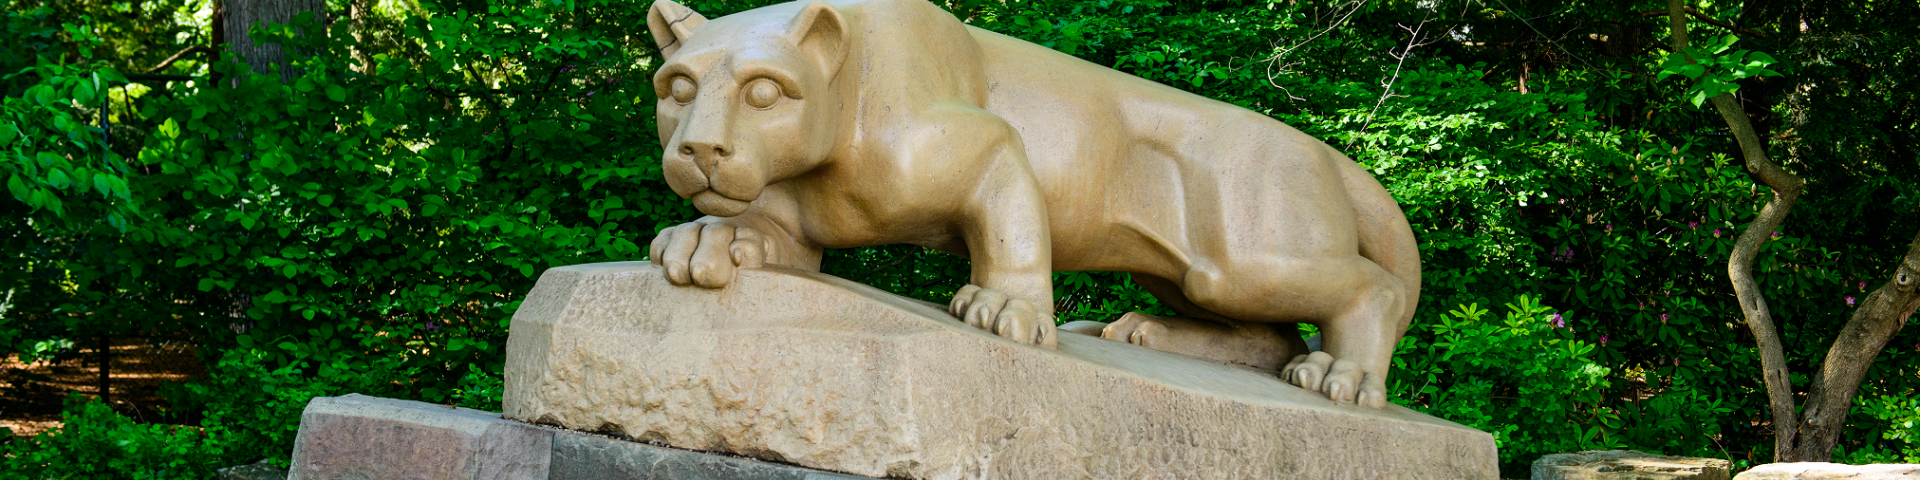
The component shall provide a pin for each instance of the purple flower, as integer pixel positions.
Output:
(1849, 300)
(1863, 285)
(1643, 305)
(1663, 318)
(1676, 362)
(1609, 229)
(431, 326)
(1557, 321)
(1776, 234)
(1716, 232)
(1603, 342)
(1693, 224)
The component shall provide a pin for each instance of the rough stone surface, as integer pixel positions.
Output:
(1825, 471)
(361, 437)
(257, 471)
(1627, 465)
(805, 368)
(508, 449)
(585, 456)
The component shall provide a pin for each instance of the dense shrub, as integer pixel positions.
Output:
(367, 224)
(97, 443)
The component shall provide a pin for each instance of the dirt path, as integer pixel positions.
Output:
(30, 394)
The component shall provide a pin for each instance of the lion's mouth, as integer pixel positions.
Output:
(713, 203)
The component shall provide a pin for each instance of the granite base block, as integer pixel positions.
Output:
(357, 437)
(805, 368)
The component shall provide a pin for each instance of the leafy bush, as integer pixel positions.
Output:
(1523, 377)
(97, 443)
(377, 214)
(1898, 421)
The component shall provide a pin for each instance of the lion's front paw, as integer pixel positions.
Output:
(1341, 380)
(1015, 319)
(707, 254)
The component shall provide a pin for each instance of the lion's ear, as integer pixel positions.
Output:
(671, 24)
(821, 31)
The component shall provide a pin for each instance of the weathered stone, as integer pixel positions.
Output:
(1826, 471)
(1627, 465)
(361, 437)
(257, 471)
(585, 456)
(810, 369)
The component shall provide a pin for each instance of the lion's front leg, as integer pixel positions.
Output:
(1006, 231)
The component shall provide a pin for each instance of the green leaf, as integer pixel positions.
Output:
(109, 75)
(45, 95)
(57, 178)
(18, 187)
(83, 92)
(335, 93)
(7, 133)
(170, 129)
(325, 200)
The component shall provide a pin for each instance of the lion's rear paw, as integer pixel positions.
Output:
(1254, 345)
(1341, 380)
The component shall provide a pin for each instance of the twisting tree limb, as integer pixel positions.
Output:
(1786, 190)
(1807, 435)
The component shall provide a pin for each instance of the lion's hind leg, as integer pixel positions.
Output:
(1199, 333)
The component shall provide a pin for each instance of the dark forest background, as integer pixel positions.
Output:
(351, 196)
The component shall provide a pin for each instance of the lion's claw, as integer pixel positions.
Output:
(706, 254)
(1341, 380)
(1015, 319)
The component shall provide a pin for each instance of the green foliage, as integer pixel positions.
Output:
(1898, 421)
(1713, 70)
(368, 224)
(1522, 377)
(97, 443)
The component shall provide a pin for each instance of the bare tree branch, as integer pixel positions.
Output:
(1387, 91)
(179, 55)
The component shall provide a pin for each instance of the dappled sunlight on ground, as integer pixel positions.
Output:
(30, 394)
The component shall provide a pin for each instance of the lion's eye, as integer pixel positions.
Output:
(762, 93)
(683, 89)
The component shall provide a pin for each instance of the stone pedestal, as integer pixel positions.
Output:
(1832, 471)
(805, 368)
(358, 437)
(1628, 465)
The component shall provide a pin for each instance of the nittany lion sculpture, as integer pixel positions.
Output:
(847, 123)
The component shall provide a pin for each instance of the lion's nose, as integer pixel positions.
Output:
(706, 155)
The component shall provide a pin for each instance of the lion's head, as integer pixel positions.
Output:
(746, 100)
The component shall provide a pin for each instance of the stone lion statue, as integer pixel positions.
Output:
(846, 123)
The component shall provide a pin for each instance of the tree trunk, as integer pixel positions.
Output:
(1786, 190)
(239, 15)
(1807, 436)
(358, 11)
(1880, 316)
